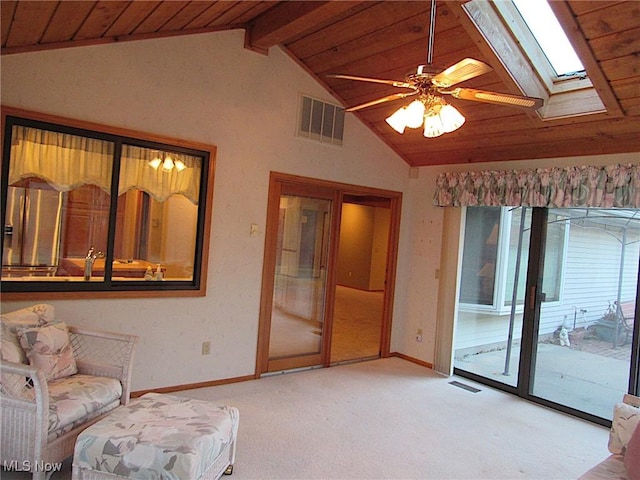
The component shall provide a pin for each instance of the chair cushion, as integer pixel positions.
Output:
(74, 400)
(48, 348)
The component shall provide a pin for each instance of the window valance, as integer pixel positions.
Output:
(67, 161)
(612, 186)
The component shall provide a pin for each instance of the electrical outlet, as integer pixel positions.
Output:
(206, 348)
(419, 335)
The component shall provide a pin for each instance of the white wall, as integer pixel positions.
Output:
(205, 88)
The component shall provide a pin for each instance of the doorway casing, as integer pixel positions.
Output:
(280, 183)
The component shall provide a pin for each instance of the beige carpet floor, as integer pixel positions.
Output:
(391, 419)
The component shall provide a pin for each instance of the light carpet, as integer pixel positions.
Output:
(392, 419)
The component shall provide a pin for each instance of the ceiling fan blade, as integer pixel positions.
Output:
(497, 98)
(459, 72)
(394, 83)
(388, 98)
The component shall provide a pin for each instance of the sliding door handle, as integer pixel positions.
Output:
(532, 297)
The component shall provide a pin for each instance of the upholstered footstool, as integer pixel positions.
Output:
(159, 437)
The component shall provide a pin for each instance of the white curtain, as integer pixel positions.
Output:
(64, 161)
(68, 161)
(136, 172)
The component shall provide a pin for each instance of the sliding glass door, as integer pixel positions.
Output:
(584, 332)
(297, 318)
(547, 304)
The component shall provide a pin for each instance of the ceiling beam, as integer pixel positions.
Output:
(288, 20)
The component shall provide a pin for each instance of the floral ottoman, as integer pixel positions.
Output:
(159, 437)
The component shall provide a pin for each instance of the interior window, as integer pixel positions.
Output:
(89, 210)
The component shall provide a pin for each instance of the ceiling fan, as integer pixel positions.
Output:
(429, 85)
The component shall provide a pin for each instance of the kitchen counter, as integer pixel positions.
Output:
(74, 266)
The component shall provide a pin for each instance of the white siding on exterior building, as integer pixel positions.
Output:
(591, 276)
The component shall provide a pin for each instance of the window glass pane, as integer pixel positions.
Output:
(480, 255)
(550, 36)
(554, 257)
(518, 247)
(57, 203)
(327, 122)
(157, 214)
(66, 219)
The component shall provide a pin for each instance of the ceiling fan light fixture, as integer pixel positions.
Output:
(414, 114)
(451, 118)
(397, 120)
(433, 126)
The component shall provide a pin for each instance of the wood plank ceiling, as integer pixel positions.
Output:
(381, 39)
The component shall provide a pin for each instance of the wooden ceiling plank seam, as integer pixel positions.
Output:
(101, 18)
(632, 106)
(440, 146)
(585, 54)
(130, 18)
(627, 88)
(369, 66)
(617, 17)
(281, 22)
(257, 9)
(7, 11)
(29, 23)
(159, 16)
(67, 20)
(521, 152)
(357, 22)
(572, 134)
(480, 138)
(616, 45)
(186, 15)
(621, 68)
(409, 52)
(580, 7)
(210, 14)
(389, 37)
(231, 16)
(357, 7)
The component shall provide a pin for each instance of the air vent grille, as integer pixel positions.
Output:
(320, 121)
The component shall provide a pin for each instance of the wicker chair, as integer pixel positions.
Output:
(29, 442)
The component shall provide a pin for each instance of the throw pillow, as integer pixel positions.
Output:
(625, 420)
(49, 348)
(10, 383)
(34, 316)
(632, 456)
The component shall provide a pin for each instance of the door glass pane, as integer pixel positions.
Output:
(584, 337)
(494, 265)
(297, 317)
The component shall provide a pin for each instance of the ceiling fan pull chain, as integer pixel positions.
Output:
(432, 29)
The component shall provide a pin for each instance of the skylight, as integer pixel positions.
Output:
(550, 36)
(531, 45)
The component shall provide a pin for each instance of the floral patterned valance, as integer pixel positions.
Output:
(612, 186)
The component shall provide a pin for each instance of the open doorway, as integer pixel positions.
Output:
(305, 283)
(360, 278)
